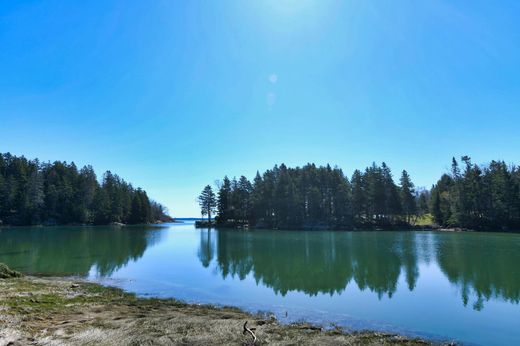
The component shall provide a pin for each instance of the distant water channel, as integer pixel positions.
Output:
(443, 286)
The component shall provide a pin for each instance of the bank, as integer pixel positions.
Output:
(42, 311)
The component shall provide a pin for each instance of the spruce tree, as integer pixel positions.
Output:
(223, 201)
(407, 196)
(358, 195)
(207, 201)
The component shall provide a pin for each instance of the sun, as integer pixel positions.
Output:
(291, 7)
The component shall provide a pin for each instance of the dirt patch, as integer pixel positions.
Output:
(37, 311)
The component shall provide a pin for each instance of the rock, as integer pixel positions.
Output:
(7, 273)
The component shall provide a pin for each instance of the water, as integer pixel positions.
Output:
(443, 286)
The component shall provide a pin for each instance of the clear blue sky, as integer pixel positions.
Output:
(172, 95)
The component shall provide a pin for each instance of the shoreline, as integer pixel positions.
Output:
(36, 310)
(373, 229)
(205, 225)
(113, 224)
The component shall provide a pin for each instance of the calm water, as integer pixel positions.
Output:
(460, 286)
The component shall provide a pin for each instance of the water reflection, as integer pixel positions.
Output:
(481, 266)
(206, 250)
(314, 262)
(74, 250)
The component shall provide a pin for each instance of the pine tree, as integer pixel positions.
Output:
(407, 196)
(358, 195)
(207, 201)
(393, 205)
(258, 200)
(243, 194)
(223, 201)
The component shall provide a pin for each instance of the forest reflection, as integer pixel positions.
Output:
(326, 262)
(483, 266)
(75, 250)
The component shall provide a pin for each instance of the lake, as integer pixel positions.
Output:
(443, 286)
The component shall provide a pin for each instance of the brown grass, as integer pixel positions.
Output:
(37, 311)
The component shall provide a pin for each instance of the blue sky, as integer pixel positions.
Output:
(172, 95)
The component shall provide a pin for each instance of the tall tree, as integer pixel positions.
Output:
(207, 201)
(408, 196)
(224, 201)
(393, 205)
(359, 196)
(243, 193)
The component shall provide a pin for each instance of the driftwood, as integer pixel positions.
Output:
(308, 327)
(250, 331)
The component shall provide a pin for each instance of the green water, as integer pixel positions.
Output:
(446, 286)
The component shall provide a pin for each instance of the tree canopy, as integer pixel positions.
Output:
(312, 197)
(316, 197)
(32, 192)
(476, 197)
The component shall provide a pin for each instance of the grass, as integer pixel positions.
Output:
(424, 220)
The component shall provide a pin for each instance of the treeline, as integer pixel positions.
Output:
(478, 197)
(34, 192)
(312, 197)
(318, 197)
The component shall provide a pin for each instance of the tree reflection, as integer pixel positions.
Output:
(206, 250)
(318, 262)
(74, 250)
(483, 266)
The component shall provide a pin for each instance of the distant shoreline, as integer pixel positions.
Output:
(205, 225)
(117, 224)
(213, 225)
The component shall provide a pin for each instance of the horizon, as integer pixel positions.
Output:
(173, 96)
